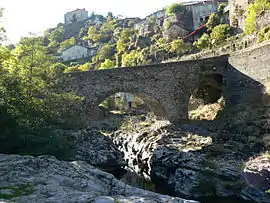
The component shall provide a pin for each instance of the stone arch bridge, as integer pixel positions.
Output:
(165, 88)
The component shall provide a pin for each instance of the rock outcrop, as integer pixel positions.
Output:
(46, 179)
(257, 176)
(200, 160)
(95, 149)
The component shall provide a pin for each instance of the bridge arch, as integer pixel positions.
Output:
(154, 104)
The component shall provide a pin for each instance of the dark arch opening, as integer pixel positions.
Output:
(208, 99)
(131, 103)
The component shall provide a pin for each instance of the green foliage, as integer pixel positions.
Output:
(67, 43)
(32, 100)
(132, 59)
(213, 21)
(78, 68)
(264, 34)
(127, 37)
(174, 9)
(162, 44)
(250, 19)
(216, 18)
(107, 64)
(168, 24)
(178, 46)
(101, 33)
(93, 34)
(106, 52)
(253, 10)
(221, 8)
(204, 42)
(220, 33)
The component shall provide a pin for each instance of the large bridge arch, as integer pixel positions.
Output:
(152, 101)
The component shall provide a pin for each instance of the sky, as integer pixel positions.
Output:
(24, 16)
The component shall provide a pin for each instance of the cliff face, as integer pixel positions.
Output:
(237, 12)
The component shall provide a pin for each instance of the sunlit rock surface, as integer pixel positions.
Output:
(257, 176)
(46, 179)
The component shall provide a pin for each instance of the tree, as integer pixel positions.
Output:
(67, 43)
(264, 34)
(132, 59)
(127, 37)
(204, 42)
(107, 64)
(220, 33)
(216, 18)
(57, 34)
(175, 8)
(32, 100)
(178, 46)
(106, 52)
(101, 34)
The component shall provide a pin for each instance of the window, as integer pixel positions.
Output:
(201, 19)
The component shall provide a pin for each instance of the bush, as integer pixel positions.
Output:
(178, 46)
(67, 43)
(213, 21)
(220, 33)
(175, 9)
(107, 64)
(78, 68)
(264, 34)
(168, 24)
(216, 18)
(106, 52)
(132, 59)
(204, 42)
(253, 10)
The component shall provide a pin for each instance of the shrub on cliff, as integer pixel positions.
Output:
(178, 46)
(107, 64)
(133, 58)
(220, 33)
(216, 18)
(264, 34)
(253, 10)
(204, 42)
(175, 8)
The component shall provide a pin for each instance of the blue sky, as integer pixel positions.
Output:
(24, 16)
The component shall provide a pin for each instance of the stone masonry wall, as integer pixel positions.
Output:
(249, 72)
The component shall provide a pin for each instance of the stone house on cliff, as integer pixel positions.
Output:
(195, 15)
(77, 52)
(76, 16)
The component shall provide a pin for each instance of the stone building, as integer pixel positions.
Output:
(201, 11)
(196, 14)
(76, 52)
(76, 16)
